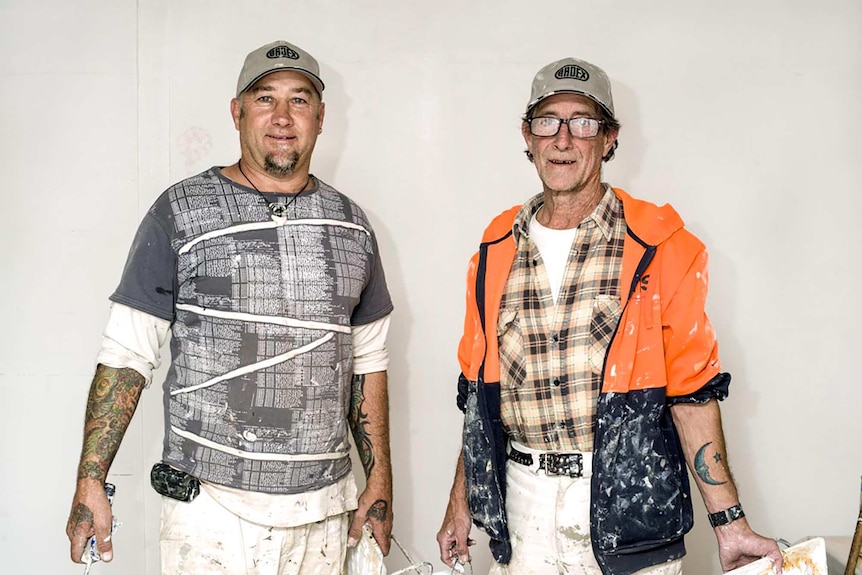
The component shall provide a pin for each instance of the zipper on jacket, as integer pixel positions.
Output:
(480, 295)
(643, 264)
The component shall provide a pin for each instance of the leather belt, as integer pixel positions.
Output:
(570, 464)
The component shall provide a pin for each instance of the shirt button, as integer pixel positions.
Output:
(555, 338)
(557, 382)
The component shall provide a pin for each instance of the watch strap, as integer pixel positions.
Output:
(726, 516)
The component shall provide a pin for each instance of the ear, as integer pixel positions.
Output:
(234, 112)
(525, 132)
(320, 116)
(610, 138)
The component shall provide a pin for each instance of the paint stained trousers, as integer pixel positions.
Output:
(549, 523)
(204, 537)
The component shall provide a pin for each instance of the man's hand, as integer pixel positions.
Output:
(90, 515)
(738, 545)
(454, 535)
(375, 509)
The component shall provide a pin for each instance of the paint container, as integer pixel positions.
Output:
(366, 558)
(805, 558)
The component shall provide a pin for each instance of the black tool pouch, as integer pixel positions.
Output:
(174, 483)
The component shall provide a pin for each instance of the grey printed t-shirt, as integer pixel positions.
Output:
(258, 389)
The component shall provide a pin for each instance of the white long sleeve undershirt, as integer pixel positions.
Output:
(133, 339)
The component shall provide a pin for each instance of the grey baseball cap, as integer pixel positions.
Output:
(571, 75)
(279, 55)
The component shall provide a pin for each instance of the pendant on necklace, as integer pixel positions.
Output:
(278, 213)
(278, 210)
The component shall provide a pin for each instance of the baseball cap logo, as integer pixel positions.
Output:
(572, 72)
(282, 52)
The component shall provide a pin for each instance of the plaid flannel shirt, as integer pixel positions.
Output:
(552, 353)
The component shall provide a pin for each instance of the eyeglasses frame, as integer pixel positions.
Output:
(560, 122)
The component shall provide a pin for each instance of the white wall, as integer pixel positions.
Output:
(744, 115)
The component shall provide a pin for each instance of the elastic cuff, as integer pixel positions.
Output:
(463, 385)
(715, 388)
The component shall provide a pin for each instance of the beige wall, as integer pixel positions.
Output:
(743, 115)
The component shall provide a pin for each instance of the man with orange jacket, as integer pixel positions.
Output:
(590, 371)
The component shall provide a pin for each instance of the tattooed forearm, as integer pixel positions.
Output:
(113, 398)
(378, 510)
(701, 467)
(359, 424)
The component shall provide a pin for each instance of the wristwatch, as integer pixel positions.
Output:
(726, 516)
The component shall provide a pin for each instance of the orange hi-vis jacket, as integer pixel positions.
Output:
(663, 352)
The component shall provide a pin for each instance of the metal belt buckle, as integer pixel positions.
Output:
(571, 464)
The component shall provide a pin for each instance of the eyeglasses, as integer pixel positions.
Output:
(546, 126)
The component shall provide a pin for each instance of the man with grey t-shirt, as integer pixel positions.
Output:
(272, 287)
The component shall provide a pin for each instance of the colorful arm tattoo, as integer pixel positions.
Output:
(114, 396)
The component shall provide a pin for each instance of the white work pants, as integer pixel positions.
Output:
(204, 538)
(549, 523)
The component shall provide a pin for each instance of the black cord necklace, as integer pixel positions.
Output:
(278, 210)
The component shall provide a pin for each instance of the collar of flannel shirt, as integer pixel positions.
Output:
(602, 215)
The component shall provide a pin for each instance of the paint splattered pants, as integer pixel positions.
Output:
(549, 523)
(202, 537)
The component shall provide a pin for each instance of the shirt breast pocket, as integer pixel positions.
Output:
(606, 315)
(510, 341)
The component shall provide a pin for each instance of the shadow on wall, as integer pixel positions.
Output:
(332, 141)
(626, 166)
(738, 411)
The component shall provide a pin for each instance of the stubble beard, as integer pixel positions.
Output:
(280, 166)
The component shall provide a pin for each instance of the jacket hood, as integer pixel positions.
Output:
(651, 223)
(500, 226)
